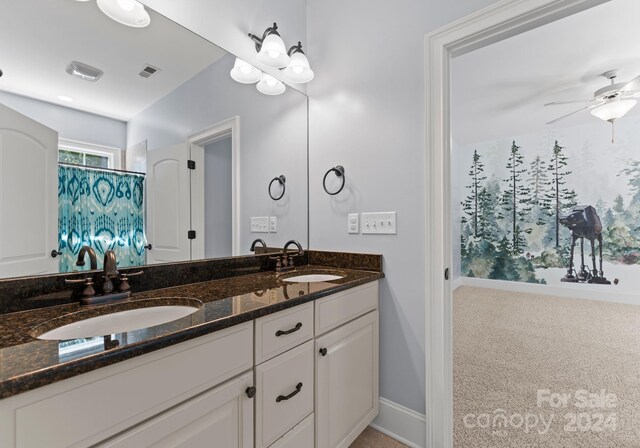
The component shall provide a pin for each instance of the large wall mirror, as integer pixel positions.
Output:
(100, 125)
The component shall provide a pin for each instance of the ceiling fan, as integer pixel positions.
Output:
(608, 103)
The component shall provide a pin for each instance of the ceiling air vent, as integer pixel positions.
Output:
(148, 71)
(84, 71)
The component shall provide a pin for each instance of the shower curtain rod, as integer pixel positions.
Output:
(75, 165)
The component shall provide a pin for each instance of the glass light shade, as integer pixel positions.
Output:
(613, 110)
(127, 12)
(273, 52)
(270, 85)
(298, 70)
(245, 73)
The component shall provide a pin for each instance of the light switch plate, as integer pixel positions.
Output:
(273, 224)
(353, 222)
(259, 224)
(379, 223)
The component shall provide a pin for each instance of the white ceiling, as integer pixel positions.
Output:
(38, 39)
(499, 91)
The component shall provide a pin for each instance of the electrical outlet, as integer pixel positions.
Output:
(259, 224)
(380, 223)
(353, 223)
(273, 224)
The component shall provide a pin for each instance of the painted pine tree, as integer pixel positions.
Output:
(559, 196)
(516, 199)
(503, 266)
(471, 204)
(488, 204)
(538, 182)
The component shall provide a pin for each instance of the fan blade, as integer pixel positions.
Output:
(556, 103)
(575, 112)
(632, 85)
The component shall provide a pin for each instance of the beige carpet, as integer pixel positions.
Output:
(371, 438)
(509, 346)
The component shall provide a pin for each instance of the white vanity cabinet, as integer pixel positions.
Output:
(304, 377)
(346, 366)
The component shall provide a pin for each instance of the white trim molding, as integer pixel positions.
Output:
(197, 142)
(400, 423)
(502, 20)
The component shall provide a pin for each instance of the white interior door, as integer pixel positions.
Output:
(28, 195)
(168, 204)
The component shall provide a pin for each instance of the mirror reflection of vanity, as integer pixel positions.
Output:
(137, 140)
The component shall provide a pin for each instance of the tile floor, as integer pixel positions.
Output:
(371, 438)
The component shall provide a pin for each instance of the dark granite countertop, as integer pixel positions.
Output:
(27, 363)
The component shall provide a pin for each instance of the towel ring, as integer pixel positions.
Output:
(281, 180)
(339, 170)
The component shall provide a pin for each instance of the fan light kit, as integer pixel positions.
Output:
(127, 12)
(610, 103)
(273, 53)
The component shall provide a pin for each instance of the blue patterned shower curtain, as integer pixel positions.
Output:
(101, 209)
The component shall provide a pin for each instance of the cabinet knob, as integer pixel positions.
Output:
(323, 351)
(251, 391)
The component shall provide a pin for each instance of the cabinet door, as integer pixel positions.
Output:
(346, 382)
(220, 418)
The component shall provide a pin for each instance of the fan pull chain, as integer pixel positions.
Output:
(613, 132)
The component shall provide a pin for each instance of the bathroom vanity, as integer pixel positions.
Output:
(274, 364)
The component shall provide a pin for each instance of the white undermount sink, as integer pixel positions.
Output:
(312, 278)
(120, 322)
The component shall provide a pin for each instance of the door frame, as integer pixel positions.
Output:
(502, 20)
(197, 142)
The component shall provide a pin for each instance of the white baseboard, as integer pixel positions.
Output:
(401, 424)
(602, 293)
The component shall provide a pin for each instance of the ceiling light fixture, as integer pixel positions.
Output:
(84, 71)
(127, 12)
(65, 98)
(245, 73)
(613, 110)
(270, 48)
(298, 71)
(270, 85)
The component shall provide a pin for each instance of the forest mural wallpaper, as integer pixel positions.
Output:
(515, 197)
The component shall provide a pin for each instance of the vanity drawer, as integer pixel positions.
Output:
(285, 388)
(337, 309)
(282, 331)
(301, 436)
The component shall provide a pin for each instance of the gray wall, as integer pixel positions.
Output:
(367, 113)
(217, 199)
(273, 141)
(70, 123)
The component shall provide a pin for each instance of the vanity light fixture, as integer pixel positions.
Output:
(245, 73)
(298, 70)
(270, 48)
(270, 85)
(127, 12)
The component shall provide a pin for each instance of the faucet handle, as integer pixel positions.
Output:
(88, 290)
(124, 280)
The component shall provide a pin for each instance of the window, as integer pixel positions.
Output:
(78, 153)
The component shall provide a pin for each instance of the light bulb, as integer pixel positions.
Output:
(298, 70)
(273, 52)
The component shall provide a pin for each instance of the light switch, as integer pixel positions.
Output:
(353, 223)
(259, 224)
(380, 223)
(273, 224)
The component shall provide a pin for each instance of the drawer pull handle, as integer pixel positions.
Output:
(291, 395)
(251, 392)
(293, 330)
(323, 351)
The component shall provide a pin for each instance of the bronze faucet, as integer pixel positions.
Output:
(285, 263)
(257, 241)
(110, 271)
(93, 259)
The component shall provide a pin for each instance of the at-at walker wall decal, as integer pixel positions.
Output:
(584, 222)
